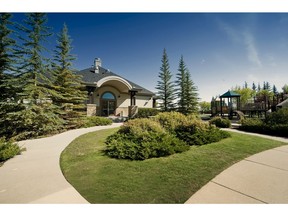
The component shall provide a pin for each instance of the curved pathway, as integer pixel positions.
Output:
(260, 178)
(35, 175)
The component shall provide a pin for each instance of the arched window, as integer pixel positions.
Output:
(108, 96)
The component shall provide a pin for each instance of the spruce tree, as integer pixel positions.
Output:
(191, 94)
(8, 90)
(38, 117)
(70, 95)
(165, 86)
(180, 82)
(187, 91)
(7, 58)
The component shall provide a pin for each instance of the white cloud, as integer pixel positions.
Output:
(252, 52)
(231, 32)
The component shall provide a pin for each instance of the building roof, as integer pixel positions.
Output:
(230, 94)
(90, 78)
(283, 103)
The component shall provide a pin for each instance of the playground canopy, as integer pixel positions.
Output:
(230, 95)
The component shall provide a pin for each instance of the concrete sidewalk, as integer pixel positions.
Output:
(260, 178)
(35, 175)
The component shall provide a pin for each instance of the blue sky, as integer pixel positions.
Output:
(221, 50)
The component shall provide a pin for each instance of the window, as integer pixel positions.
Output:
(108, 96)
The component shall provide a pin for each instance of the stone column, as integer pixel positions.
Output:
(91, 109)
(132, 111)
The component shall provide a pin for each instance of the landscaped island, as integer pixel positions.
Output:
(170, 179)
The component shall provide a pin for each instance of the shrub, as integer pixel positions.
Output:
(220, 122)
(200, 133)
(171, 120)
(146, 112)
(279, 117)
(8, 149)
(91, 121)
(140, 139)
(252, 125)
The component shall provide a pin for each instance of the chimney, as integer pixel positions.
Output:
(97, 64)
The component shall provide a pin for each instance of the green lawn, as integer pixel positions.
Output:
(172, 179)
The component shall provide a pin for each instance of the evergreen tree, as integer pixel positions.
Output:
(191, 94)
(33, 67)
(7, 58)
(245, 85)
(254, 86)
(69, 96)
(165, 86)
(8, 90)
(38, 115)
(180, 82)
(187, 91)
(258, 88)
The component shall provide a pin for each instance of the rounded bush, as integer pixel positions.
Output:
(171, 120)
(220, 122)
(141, 139)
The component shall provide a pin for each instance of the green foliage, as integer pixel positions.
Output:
(275, 124)
(33, 121)
(7, 57)
(141, 139)
(68, 92)
(220, 122)
(165, 86)
(187, 91)
(197, 132)
(146, 112)
(171, 120)
(8, 149)
(91, 121)
(279, 117)
(205, 107)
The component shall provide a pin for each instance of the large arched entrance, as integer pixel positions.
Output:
(108, 104)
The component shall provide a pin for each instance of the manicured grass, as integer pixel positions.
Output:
(172, 179)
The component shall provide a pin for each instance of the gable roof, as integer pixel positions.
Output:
(90, 78)
(229, 94)
(283, 103)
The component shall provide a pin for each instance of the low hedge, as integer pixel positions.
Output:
(220, 122)
(146, 112)
(91, 121)
(259, 126)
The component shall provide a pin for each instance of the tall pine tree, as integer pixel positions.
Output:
(165, 86)
(70, 94)
(187, 91)
(7, 58)
(191, 94)
(180, 82)
(8, 90)
(38, 115)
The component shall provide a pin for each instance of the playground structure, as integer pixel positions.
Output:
(229, 105)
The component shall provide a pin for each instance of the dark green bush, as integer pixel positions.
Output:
(279, 117)
(200, 133)
(141, 139)
(266, 126)
(8, 149)
(220, 122)
(91, 121)
(146, 112)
